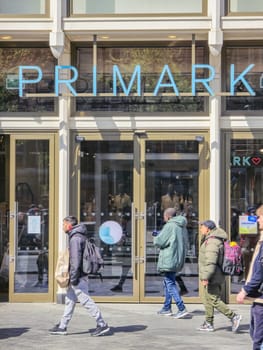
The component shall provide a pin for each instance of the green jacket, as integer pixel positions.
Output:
(210, 254)
(172, 243)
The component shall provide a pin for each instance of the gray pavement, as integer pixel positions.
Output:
(133, 326)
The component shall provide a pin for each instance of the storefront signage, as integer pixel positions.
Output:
(246, 161)
(110, 232)
(248, 224)
(33, 224)
(118, 81)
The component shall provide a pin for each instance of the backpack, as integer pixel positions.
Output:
(92, 261)
(231, 261)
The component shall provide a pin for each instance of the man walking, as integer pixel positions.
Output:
(78, 287)
(253, 288)
(171, 241)
(211, 276)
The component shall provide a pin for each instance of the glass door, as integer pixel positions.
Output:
(31, 218)
(106, 208)
(172, 180)
(126, 183)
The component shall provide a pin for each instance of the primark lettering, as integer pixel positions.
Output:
(164, 81)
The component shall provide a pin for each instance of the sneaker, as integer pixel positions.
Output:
(163, 312)
(117, 288)
(236, 322)
(57, 330)
(100, 330)
(208, 327)
(181, 314)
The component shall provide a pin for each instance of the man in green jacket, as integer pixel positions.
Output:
(211, 276)
(172, 243)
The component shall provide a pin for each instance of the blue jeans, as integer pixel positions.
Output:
(171, 292)
(256, 326)
(80, 293)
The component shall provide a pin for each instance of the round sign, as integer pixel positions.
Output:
(110, 232)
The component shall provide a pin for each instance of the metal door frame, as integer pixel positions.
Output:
(138, 221)
(29, 297)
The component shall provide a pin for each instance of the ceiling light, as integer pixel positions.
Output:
(172, 36)
(104, 37)
(6, 37)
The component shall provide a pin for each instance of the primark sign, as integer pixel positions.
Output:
(164, 80)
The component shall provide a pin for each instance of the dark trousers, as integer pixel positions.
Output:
(256, 326)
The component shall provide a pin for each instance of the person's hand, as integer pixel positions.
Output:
(241, 296)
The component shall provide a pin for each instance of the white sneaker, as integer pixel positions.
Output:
(181, 314)
(236, 322)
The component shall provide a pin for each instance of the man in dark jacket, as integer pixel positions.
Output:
(78, 289)
(211, 277)
(253, 288)
(172, 244)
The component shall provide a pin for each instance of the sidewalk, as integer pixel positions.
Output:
(133, 326)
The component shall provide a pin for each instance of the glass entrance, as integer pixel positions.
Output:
(31, 202)
(172, 174)
(106, 198)
(125, 186)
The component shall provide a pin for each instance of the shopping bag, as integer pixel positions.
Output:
(62, 269)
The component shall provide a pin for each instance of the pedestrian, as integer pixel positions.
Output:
(78, 289)
(211, 277)
(171, 241)
(253, 288)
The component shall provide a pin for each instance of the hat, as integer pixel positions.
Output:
(209, 224)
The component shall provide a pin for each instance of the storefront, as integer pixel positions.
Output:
(120, 124)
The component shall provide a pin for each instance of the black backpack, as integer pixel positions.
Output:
(92, 261)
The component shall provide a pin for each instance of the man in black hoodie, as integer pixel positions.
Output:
(78, 289)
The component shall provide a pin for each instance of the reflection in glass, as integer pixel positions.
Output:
(246, 6)
(152, 61)
(243, 57)
(25, 7)
(172, 181)
(10, 60)
(32, 187)
(135, 6)
(246, 194)
(106, 195)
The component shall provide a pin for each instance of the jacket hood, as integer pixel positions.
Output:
(180, 220)
(80, 228)
(217, 232)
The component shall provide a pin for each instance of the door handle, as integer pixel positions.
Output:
(139, 260)
(12, 215)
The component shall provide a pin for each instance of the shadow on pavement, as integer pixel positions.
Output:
(12, 332)
(126, 329)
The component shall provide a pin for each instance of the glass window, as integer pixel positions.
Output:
(236, 6)
(246, 194)
(152, 61)
(136, 7)
(242, 57)
(32, 240)
(25, 7)
(10, 60)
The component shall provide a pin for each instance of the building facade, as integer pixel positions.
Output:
(113, 111)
